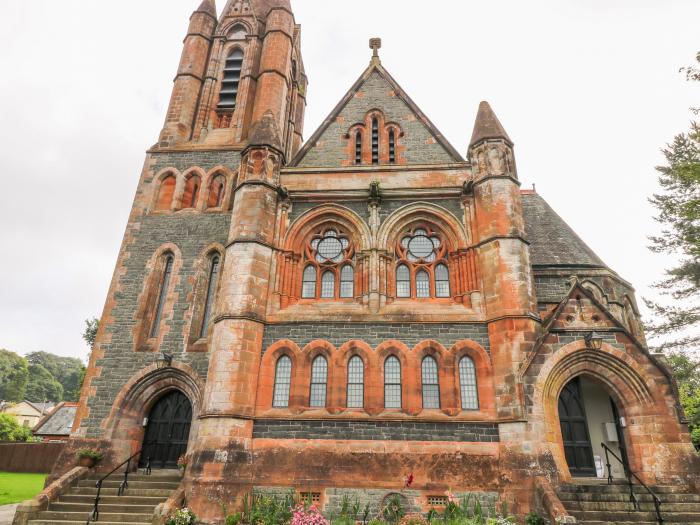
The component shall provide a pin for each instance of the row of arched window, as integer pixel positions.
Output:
(192, 194)
(430, 383)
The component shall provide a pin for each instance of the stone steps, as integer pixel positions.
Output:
(598, 503)
(135, 507)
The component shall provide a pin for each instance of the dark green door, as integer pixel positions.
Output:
(574, 431)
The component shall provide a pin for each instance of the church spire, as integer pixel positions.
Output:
(208, 6)
(487, 126)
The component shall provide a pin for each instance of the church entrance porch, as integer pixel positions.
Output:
(167, 431)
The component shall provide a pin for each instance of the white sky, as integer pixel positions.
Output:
(589, 90)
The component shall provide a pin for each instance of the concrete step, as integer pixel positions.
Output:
(634, 517)
(622, 497)
(612, 506)
(113, 500)
(61, 506)
(166, 485)
(115, 517)
(131, 491)
(621, 489)
(171, 478)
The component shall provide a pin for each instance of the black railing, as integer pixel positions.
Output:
(629, 475)
(95, 515)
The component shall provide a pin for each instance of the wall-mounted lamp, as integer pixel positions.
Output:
(593, 341)
(164, 360)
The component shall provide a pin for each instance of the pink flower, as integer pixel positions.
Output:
(409, 481)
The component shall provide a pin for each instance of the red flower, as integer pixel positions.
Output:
(409, 481)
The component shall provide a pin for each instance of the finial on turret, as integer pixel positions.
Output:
(375, 44)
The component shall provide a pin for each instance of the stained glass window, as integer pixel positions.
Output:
(356, 383)
(392, 383)
(431, 385)
(319, 381)
(467, 384)
(283, 381)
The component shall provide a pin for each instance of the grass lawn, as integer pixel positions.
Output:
(18, 487)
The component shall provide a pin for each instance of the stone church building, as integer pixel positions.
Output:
(333, 316)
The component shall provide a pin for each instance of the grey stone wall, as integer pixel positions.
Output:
(191, 233)
(376, 430)
(374, 334)
(331, 148)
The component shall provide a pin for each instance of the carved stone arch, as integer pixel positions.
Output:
(596, 290)
(393, 227)
(181, 193)
(343, 356)
(311, 351)
(229, 180)
(266, 378)
(333, 214)
(150, 294)
(448, 400)
(617, 372)
(157, 199)
(124, 424)
(398, 349)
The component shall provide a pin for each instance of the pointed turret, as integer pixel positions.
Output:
(487, 126)
(208, 6)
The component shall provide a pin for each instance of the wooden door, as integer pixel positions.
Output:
(167, 431)
(574, 431)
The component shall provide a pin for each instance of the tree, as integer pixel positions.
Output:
(90, 333)
(687, 372)
(679, 212)
(42, 386)
(68, 371)
(13, 376)
(11, 430)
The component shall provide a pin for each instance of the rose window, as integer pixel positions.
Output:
(329, 272)
(422, 270)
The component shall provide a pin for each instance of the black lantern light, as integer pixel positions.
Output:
(593, 341)
(164, 361)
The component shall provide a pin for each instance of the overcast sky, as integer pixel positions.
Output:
(589, 91)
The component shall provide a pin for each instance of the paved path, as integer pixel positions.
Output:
(7, 512)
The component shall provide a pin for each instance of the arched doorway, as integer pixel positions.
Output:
(167, 430)
(588, 417)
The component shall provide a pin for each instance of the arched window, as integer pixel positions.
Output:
(422, 284)
(283, 381)
(442, 281)
(392, 146)
(165, 193)
(422, 270)
(358, 147)
(431, 384)
(162, 294)
(319, 382)
(403, 282)
(392, 383)
(232, 77)
(189, 199)
(211, 294)
(347, 281)
(217, 188)
(356, 383)
(467, 384)
(375, 141)
(328, 254)
(308, 285)
(328, 285)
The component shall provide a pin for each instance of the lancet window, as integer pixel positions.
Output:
(162, 294)
(356, 383)
(319, 382)
(392, 382)
(212, 284)
(467, 384)
(283, 381)
(431, 385)
(422, 270)
(329, 272)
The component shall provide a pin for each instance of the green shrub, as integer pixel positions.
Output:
(534, 519)
(89, 453)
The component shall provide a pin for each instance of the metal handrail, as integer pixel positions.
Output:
(629, 475)
(95, 515)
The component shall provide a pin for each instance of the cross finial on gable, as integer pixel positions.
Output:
(374, 45)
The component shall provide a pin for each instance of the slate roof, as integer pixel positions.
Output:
(553, 242)
(59, 422)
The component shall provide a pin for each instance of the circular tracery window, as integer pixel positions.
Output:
(330, 247)
(421, 246)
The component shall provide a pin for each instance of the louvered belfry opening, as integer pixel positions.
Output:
(232, 77)
(375, 141)
(358, 148)
(392, 147)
